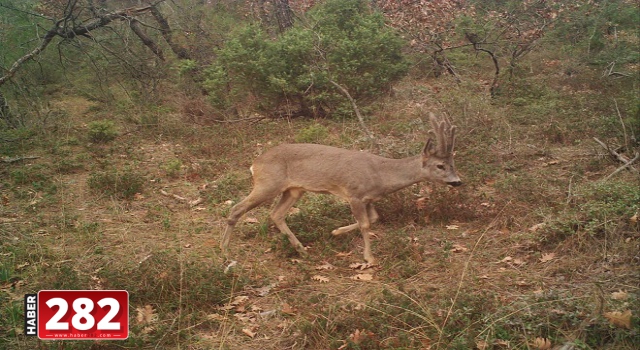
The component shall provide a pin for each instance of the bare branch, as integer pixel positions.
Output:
(35, 52)
(621, 158)
(166, 32)
(134, 24)
(67, 29)
(476, 45)
(355, 109)
(626, 165)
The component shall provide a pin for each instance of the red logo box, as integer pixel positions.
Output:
(83, 314)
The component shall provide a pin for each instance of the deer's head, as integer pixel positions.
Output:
(437, 155)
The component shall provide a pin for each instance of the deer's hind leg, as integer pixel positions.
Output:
(254, 199)
(373, 217)
(279, 212)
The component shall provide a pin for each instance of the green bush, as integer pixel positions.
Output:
(102, 131)
(121, 184)
(607, 203)
(602, 32)
(341, 41)
(312, 134)
(172, 167)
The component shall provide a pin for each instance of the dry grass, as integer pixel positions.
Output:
(517, 254)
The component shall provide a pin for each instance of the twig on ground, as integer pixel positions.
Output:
(627, 164)
(624, 128)
(191, 203)
(239, 120)
(623, 159)
(17, 159)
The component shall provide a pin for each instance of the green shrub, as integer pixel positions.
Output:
(598, 208)
(607, 203)
(312, 134)
(121, 184)
(173, 167)
(343, 41)
(102, 131)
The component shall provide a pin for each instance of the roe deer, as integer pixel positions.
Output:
(358, 177)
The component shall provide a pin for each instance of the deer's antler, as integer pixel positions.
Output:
(445, 135)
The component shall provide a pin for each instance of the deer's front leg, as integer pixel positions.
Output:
(373, 217)
(361, 213)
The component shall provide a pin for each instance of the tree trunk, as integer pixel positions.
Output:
(5, 113)
(284, 15)
(145, 38)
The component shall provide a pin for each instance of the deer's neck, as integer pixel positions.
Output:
(396, 174)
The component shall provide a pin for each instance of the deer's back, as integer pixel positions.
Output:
(316, 168)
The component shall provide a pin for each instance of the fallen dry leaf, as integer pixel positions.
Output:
(536, 227)
(146, 315)
(251, 220)
(619, 319)
(216, 317)
(325, 266)
(546, 257)
(619, 295)
(452, 227)
(542, 343)
(457, 248)
(264, 291)
(288, 309)
(502, 342)
(320, 278)
(634, 219)
(195, 202)
(230, 266)
(240, 299)
(506, 259)
(359, 335)
(360, 266)
(293, 211)
(248, 332)
(482, 344)
(362, 277)
(344, 254)
(245, 317)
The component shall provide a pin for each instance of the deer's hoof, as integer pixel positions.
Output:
(302, 250)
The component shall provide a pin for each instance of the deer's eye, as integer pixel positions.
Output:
(440, 166)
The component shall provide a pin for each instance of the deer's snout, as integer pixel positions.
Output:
(454, 183)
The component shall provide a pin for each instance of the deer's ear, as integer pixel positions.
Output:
(428, 150)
